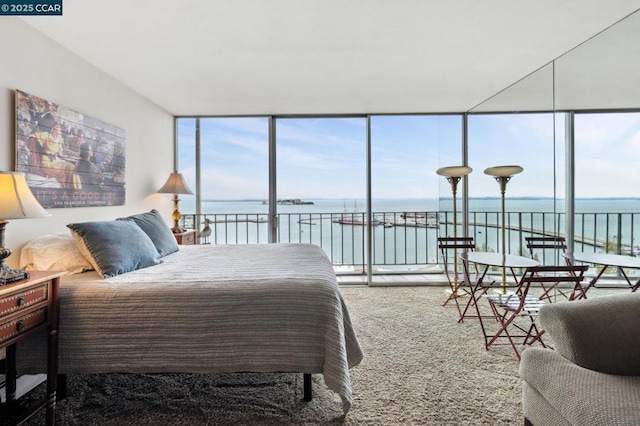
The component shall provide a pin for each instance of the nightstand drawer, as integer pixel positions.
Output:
(23, 300)
(187, 238)
(23, 324)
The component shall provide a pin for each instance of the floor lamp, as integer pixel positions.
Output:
(453, 175)
(503, 174)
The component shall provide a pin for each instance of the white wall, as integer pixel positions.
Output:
(33, 63)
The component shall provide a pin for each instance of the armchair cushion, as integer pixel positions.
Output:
(599, 334)
(577, 395)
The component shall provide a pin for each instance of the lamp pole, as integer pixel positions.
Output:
(453, 174)
(453, 180)
(503, 175)
(502, 181)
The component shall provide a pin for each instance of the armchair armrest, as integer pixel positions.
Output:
(600, 334)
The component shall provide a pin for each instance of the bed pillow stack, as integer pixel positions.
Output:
(115, 247)
(126, 244)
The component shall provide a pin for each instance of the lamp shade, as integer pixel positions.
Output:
(503, 171)
(16, 199)
(175, 185)
(454, 171)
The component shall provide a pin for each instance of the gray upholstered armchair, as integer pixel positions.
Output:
(593, 375)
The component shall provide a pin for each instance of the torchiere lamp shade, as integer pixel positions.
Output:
(503, 171)
(454, 171)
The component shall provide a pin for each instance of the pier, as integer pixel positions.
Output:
(579, 239)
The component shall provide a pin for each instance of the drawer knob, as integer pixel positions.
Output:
(20, 325)
(21, 301)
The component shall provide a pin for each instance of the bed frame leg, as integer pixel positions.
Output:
(308, 393)
(61, 392)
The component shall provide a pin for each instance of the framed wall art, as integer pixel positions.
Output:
(70, 159)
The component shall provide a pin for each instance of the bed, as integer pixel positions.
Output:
(209, 309)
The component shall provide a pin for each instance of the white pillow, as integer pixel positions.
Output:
(54, 252)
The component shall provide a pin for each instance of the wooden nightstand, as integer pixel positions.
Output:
(27, 306)
(186, 238)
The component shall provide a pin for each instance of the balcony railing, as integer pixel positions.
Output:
(407, 241)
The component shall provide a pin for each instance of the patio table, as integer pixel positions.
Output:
(606, 260)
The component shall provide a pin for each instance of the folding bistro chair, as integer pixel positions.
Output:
(451, 247)
(516, 313)
(549, 250)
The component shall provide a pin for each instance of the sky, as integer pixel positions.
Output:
(326, 157)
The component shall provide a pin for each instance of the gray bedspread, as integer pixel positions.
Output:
(212, 309)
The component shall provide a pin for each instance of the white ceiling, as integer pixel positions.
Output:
(217, 57)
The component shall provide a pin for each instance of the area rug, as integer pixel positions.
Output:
(421, 367)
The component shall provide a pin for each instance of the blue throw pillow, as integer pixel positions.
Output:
(156, 228)
(114, 247)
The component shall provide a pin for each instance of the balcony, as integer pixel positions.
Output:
(405, 243)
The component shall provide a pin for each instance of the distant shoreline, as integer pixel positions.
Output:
(254, 200)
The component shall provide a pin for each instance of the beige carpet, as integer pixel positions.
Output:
(421, 368)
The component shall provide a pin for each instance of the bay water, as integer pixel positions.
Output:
(598, 222)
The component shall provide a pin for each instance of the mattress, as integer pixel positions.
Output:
(211, 309)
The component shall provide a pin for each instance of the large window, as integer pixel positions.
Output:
(321, 185)
(406, 150)
(366, 190)
(607, 155)
(533, 198)
(321, 171)
(230, 173)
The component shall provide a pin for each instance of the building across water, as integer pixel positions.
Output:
(291, 202)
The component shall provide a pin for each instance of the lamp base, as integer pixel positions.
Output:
(458, 292)
(9, 275)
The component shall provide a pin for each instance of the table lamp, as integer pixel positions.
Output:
(453, 174)
(175, 185)
(503, 174)
(16, 202)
